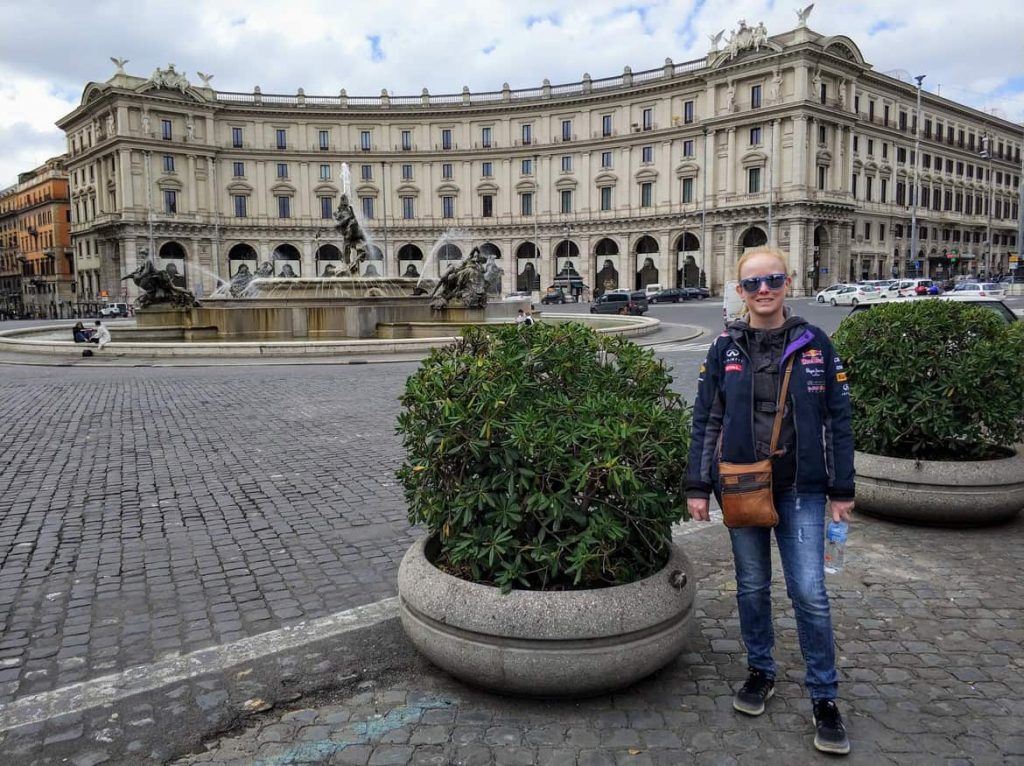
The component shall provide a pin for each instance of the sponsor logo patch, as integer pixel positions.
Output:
(734, 367)
(812, 356)
(815, 388)
(815, 372)
(732, 353)
(841, 377)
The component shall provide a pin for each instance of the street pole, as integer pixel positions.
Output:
(702, 276)
(986, 148)
(916, 191)
(568, 282)
(1020, 219)
(771, 177)
(384, 206)
(536, 213)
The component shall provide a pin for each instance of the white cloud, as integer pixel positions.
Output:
(322, 46)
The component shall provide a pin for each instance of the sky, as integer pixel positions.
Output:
(49, 50)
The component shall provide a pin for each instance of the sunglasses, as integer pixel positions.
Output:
(753, 284)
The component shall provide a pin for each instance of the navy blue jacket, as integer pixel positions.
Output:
(819, 397)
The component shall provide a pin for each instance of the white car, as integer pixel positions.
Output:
(829, 291)
(980, 289)
(851, 295)
(907, 288)
(885, 287)
(516, 297)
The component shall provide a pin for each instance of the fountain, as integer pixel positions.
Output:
(341, 305)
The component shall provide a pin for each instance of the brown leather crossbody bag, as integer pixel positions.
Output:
(747, 487)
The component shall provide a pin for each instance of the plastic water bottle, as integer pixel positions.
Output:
(835, 546)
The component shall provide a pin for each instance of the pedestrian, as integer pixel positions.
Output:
(79, 333)
(101, 335)
(812, 459)
(520, 316)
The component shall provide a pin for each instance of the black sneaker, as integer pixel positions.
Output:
(757, 690)
(829, 732)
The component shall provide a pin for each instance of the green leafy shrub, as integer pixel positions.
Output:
(935, 380)
(545, 457)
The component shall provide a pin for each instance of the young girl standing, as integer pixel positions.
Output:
(733, 420)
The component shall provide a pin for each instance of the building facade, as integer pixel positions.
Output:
(36, 261)
(662, 176)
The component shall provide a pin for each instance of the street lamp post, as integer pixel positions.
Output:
(535, 209)
(384, 211)
(702, 276)
(986, 152)
(916, 191)
(568, 282)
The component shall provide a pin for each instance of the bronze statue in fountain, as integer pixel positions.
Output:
(157, 287)
(466, 281)
(353, 248)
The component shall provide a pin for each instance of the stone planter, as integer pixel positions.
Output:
(967, 493)
(546, 643)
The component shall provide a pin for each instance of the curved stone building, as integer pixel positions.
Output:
(661, 176)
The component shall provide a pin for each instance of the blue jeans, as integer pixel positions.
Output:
(800, 536)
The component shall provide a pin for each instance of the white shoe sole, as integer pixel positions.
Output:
(753, 711)
(828, 748)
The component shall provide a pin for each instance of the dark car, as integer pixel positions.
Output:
(671, 295)
(698, 293)
(554, 295)
(617, 303)
(639, 297)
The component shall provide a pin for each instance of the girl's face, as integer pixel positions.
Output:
(763, 285)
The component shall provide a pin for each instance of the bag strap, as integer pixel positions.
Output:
(780, 406)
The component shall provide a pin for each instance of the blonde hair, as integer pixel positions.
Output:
(762, 250)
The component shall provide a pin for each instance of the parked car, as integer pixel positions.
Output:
(522, 295)
(639, 297)
(909, 287)
(992, 304)
(554, 295)
(616, 303)
(851, 295)
(828, 292)
(653, 289)
(114, 310)
(698, 293)
(981, 289)
(884, 286)
(671, 295)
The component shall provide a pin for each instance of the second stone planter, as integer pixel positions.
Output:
(545, 643)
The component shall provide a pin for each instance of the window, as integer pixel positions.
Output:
(871, 110)
(822, 135)
(566, 199)
(239, 200)
(881, 232)
(901, 193)
(646, 189)
(364, 141)
(869, 184)
(485, 138)
(901, 155)
(755, 136)
(526, 203)
(753, 180)
(527, 135)
(446, 170)
(647, 154)
(927, 128)
(165, 129)
(687, 112)
(325, 172)
(238, 169)
(527, 167)
(567, 163)
(926, 161)
(284, 207)
(856, 104)
(488, 205)
(867, 230)
(326, 207)
(853, 185)
(884, 191)
(821, 177)
(856, 144)
(282, 139)
(606, 198)
(367, 208)
(687, 190)
(406, 172)
(885, 151)
(755, 97)
(168, 163)
(408, 210)
(871, 148)
(366, 172)
(447, 207)
(567, 130)
(606, 125)
(688, 147)
(446, 138)
(824, 92)
(325, 140)
(406, 140)
(949, 165)
(487, 169)
(606, 159)
(648, 119)
(170, 201)
(282, 170)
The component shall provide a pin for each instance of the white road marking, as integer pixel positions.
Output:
(678, 346)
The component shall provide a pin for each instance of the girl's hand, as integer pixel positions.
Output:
(698, 508)
(841, 509)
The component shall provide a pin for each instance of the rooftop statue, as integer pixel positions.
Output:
(353, 247)
(158, 287)
(169, 78)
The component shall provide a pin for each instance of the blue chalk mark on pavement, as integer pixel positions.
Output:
(365, 733)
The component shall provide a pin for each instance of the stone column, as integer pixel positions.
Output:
(798, 256)
(304, 192)
(727, 267)
(801, 126)
(731, 164)
(191, 189)
(712, 155)
(127, 191)
(128, 263)
(838, 184)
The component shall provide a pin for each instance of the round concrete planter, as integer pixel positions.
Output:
(967, 493)
(546, 643)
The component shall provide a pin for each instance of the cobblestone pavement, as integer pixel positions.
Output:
(151, 512)
(929, 631)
